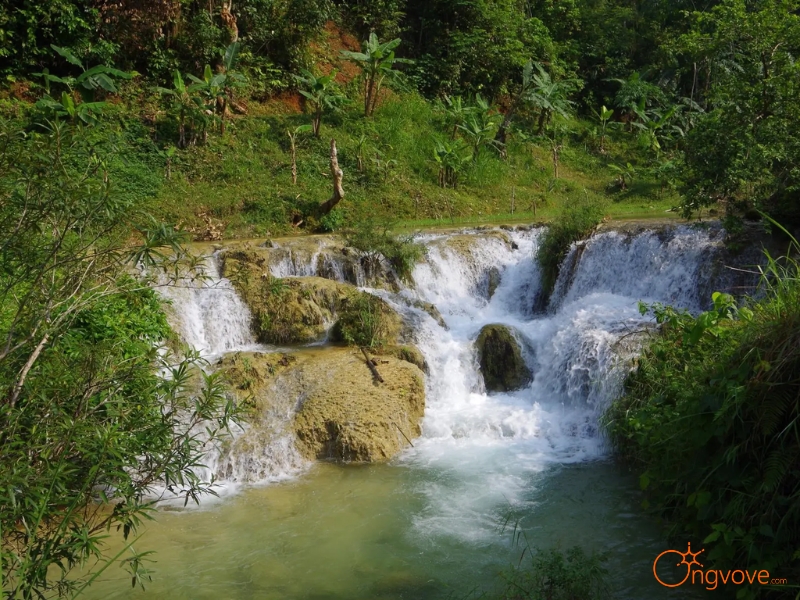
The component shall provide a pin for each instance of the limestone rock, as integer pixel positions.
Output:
(494, 281)
(344, 414)
(300, 310)
(407, 353)
(501, 360)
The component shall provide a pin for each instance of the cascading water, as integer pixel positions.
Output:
(574, 350)
(494, 444)
(207, 312)
(429, 525)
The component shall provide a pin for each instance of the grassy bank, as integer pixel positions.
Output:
(239, 184)
(243, 180)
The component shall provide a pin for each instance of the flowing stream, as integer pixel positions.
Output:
(439, 521)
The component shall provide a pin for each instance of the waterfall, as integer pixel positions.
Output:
(579, 351)
(493, 445)
(207, 312)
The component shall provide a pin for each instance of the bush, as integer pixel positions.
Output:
(364, 323)
(711, 419)
(375, 241)
(557, 575)
(575, 222)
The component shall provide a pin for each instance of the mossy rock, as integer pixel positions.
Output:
(301, 310)
(501, 361)
(465, 243)
(432, 311)
(493, 281)
(409, 354)
(249, 374)
(344, 414)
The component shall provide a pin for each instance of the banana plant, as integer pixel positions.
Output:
(651, 124)
(451, 157)
(322, 94)
(605, 116)
(87, 84)
(233, 79)
(480, 126)
(625, 175)
(377, 61)
(456, 112)
(185, 103)
(211, 90)
(550, 96)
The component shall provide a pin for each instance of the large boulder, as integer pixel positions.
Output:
(327, 401)
(501, 361)
(337, 409)
(300, 310)
(345, 414)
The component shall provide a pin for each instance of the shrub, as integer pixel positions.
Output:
(711, 419)
(363, 324)
(557, 575)
(375, 241)
(575, 222)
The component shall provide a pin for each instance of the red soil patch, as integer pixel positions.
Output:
(284, 103)
(327, 53)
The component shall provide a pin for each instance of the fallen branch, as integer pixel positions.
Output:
(372, 366)
(404, 434)
(336, 175)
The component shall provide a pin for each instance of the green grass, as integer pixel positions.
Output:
(242, 181)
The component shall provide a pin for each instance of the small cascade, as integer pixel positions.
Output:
(493, 445)
(314, 257)
(677, 266)
(207, 312)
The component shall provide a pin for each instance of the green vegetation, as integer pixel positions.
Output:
(90, 430)
(365, 323)
(711, 420)
(118, 117)
(575, 222)
(554, 574)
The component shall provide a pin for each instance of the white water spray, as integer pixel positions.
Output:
(208, 314)
(491, 447)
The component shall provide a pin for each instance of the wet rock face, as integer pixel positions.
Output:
(501, 360)
(493, 281)
(300, 310)
(344, 414)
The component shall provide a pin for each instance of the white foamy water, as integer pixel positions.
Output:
(208, 313)
(487, 449)
(482, 452)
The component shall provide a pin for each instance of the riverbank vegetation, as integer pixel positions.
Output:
(710, 418)
(131, 127)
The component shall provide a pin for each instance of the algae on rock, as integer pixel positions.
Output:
(299, 310)
(343, 414)
(501, 361)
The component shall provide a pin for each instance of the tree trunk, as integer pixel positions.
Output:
(294, 157)
(223, 108)
(182, 131)
(317, 122)
(556, 150)
(502, 131)
(542, 120)
(336, 175)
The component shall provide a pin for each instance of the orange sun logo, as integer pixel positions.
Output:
(684, 555)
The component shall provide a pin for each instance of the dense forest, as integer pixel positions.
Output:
(130, 127)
